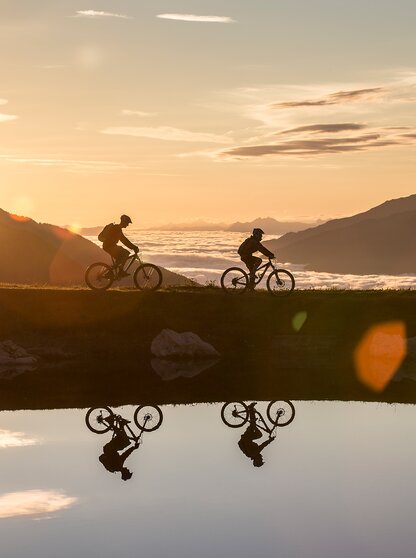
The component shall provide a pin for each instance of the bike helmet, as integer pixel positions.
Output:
(258, 232)
(125, 219)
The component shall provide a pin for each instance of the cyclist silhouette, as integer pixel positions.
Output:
(247, 249)
(110, 236)
(112, 460)
(247, 444)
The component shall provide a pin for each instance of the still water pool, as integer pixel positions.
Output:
(338, 481)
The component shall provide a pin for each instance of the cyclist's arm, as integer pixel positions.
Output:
(266, 443)
(125, 454)
(264, 251)
(124, 240)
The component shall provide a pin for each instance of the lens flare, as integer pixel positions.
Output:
(380, 353)
(299, 320)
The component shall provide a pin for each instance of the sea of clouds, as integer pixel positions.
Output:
(204, 255)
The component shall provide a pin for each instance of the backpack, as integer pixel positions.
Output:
(105, 233)
(243, 247)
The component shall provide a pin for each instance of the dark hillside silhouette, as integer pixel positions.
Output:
(37, 253)
(378, 241)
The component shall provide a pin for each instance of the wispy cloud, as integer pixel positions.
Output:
(70, 165)
(166, 133)
(334, 98)
(324, 128)
(197, 18)
(127, 112)
(33, 503)
(98, 14)
(304, 142)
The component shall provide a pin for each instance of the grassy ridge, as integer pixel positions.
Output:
(109, 335)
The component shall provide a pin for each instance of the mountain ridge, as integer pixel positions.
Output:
(377, 241)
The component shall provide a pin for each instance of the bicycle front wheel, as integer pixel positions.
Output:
(234, 281)
(234, 414)
(148, 417)
(99, 419)
(99, 276)
(280, 413)
(280, 282)
(147, 277)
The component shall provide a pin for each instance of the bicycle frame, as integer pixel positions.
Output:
(132, 258)
(265, 267)
(117, 424)
(260, 422)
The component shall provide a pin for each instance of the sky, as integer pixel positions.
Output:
(179, 110)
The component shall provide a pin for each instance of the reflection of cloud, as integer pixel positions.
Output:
(197, 18)
(166, 133)
(97, 14)
(49, 66)
(334, 98)
(33, 503)
(7, 117)
(9, 439)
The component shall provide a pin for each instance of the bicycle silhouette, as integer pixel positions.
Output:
(237, 414)
(100, 276)
(279, 413)
(280, 282)
(102, 419)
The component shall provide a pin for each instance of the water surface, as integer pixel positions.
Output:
(338, 481)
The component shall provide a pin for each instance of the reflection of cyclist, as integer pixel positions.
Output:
(112, 460)
(247, 249)
(247, 444)
(111, 235)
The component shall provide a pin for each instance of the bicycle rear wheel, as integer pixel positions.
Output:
(234, 414)
(234, 281)
(97, 419)
(148, 417)
(280, 282)
(280, 413)
(147, 277)
(99, 276)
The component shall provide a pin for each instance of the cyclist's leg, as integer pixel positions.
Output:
(120, 256)
(252, 264)
(253, 430)
(119, 441)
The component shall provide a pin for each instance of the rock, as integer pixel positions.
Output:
(169, 369)
(14, 360)
(171, 344)
(12, 355)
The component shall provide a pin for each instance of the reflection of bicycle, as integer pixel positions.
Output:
(279, 413)
(100, 276)
(279, 282)
(102, 419)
